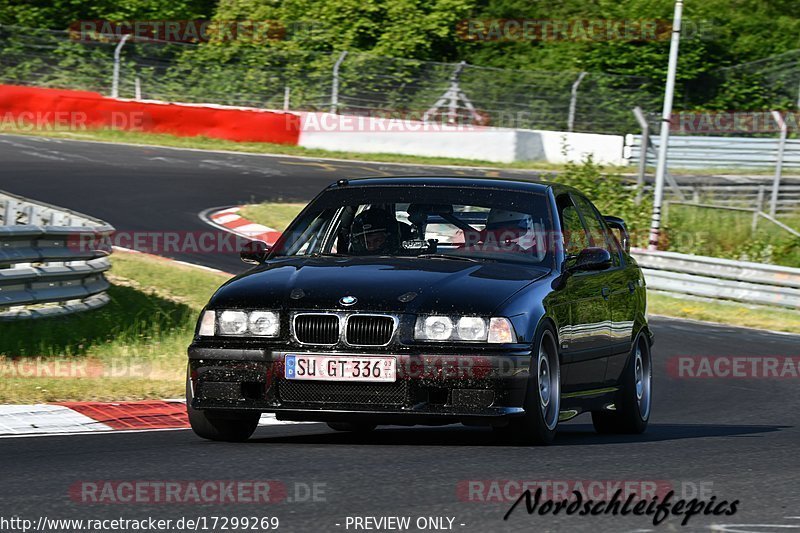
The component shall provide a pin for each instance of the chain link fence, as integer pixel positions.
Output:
(279, 77)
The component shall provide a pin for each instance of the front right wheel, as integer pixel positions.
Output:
(634, 399)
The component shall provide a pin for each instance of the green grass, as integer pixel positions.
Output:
(132, 348)
(732, 313)
(728, 234)
(273, 215)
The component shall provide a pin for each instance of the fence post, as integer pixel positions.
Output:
(335, 83)
(573, 101)
(759, 205)
(286, 98)
(137, 88)
(776, 182)
(10, 215)
(115, 78)
(637, 111)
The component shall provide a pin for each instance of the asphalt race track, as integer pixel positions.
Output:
(735, 439)
(147, 189)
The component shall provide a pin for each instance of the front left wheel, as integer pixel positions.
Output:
(543, 396)
(217, 425)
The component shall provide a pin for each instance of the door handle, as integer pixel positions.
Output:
(631, 287)
(605, 292)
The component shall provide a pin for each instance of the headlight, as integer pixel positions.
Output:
(464, 329)
(472, 328)
(265, 323)
(232, 322)
(240, 323)
(434, 328)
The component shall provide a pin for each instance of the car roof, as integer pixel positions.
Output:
(446, 181)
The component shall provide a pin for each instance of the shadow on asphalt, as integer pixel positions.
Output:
(569, 435)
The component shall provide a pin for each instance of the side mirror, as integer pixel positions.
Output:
(254, 252)
(591, 259)
(620, 230)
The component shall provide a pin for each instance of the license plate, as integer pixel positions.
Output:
(340, 368)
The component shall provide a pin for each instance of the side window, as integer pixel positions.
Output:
(600, 236)
(575, 235)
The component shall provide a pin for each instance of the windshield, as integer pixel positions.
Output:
(416, 221)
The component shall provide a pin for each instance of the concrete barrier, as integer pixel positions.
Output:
(37, 108)
(351, 133)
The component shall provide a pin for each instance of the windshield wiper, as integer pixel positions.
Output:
(328, 254)
(448, 256)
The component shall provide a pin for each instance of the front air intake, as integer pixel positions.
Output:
(369, 330)
(317, 329)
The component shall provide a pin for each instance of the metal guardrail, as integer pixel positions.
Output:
(49, 261)
(720, 279)
(700, 151)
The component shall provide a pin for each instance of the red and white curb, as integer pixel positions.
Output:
(92, 417)
(230, 220)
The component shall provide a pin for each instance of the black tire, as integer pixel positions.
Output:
(220, 426)
(352, 427)
(632, 413)
(539, 424)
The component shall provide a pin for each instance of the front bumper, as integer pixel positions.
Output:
(430, 388)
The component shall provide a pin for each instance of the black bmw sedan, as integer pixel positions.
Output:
(407, 301)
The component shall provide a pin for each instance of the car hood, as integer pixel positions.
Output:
(379, 284)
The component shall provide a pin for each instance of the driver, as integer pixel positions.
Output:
(373, 232)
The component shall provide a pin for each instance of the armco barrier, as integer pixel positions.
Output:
(721, 279)
(76, 110)
(700, 151)
(42, 272)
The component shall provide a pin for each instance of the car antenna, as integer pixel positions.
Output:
(342, 182)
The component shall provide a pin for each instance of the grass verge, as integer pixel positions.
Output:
(131, 349)
(722, 312)
(273, 215)
(729, 234)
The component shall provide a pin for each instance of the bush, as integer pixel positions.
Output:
(612, 194)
